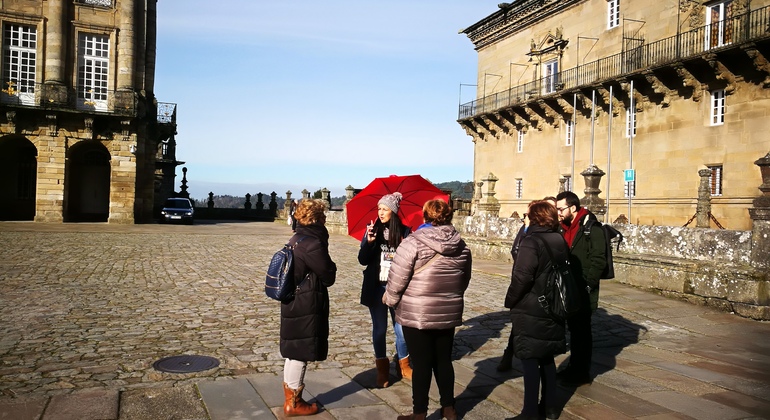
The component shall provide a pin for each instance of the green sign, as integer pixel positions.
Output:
(629, 175)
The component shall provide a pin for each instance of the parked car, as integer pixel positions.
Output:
(177, 210)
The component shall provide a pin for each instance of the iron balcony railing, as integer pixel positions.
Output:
(713, 37)
(103, 3)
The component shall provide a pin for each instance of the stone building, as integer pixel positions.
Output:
(82, 136)
(626, 100)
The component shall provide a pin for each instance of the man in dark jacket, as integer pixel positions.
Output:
(588, 260)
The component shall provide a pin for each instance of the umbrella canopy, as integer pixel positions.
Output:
(415, 190)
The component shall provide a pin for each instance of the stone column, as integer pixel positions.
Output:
(593, 176)
(54, 90)
(760, 217)
(703, 210)
(488, 204)
(326, 196)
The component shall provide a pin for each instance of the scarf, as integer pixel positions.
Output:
(571, 230)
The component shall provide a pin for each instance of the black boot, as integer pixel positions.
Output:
(506, 363)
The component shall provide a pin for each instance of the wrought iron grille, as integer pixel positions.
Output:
(742, 28)
(166, 113)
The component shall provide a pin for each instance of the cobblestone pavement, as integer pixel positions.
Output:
(86, 309)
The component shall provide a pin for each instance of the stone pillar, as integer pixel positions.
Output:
(476, 196)
(247, 204)
(210, 202)
(151, 46)
(593, 176)
(760, 218)
(562, 184)
(260, 203)
(273, 206)
(126, 46)
(488, 204)
(183, 189)
(703, 210)
(305, 194)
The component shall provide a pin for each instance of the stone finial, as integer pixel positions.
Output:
(593, 176)
(349, 192)
(488, 204)
(183, 188)
(562, 184)
(210, 202)
(287, 203)
(305, 194)
(760, 217)
(260, 203)
(247, 204)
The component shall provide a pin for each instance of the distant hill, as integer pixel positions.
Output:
(459, 189)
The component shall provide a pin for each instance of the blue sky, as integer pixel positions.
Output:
(292, 95)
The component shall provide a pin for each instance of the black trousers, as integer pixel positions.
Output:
(537, 372)
(431, 354)
(581, 342)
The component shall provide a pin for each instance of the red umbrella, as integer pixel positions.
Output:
(415, 189)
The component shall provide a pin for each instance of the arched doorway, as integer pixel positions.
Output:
(87, 183)
(18, 178)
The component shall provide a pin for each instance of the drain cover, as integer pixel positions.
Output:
(185, 363)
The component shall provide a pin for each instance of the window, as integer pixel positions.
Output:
(519, 188)
(19, 63)
(630, 123)
(550, 76)
(717, 107)
(570, 133)
(715, 180)
(613, 14)
(630, 189)
(520, 143)
(93, 71)
(719, 24)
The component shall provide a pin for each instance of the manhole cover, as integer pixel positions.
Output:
(185, 363)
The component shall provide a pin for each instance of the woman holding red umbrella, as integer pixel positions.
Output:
(378, 246)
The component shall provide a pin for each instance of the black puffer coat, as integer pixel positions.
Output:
(369, 255)
(305, 319)
(535, 334)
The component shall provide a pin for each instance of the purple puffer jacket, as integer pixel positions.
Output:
(431, 299)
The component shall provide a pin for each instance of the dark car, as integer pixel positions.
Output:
(177, 210)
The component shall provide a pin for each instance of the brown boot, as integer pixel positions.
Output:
(413, 417)
(383, 372)
(294, 405)
(406, 370)
(448, 413)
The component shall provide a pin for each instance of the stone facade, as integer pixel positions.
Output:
(557, 87)
(82, 136)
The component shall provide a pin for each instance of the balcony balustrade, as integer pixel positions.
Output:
(719, 36)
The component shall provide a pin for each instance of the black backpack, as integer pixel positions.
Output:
(279, 282)
(610, 235)
(561, 297)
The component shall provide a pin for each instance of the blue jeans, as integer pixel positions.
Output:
(379, 313)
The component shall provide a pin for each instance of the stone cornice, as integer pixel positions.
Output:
(513, 19)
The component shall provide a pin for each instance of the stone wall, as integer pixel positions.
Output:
(704, 266)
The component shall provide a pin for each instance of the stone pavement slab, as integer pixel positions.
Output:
(85, 310)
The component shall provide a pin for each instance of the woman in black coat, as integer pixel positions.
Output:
(536, 336)
(305, 318)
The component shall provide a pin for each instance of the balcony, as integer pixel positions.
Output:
(57, 97)
(713, 38)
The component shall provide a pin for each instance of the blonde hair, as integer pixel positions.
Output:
(310, 211)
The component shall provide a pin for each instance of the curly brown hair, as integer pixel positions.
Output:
(437, 212)
(310, 211)
(542, 213)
